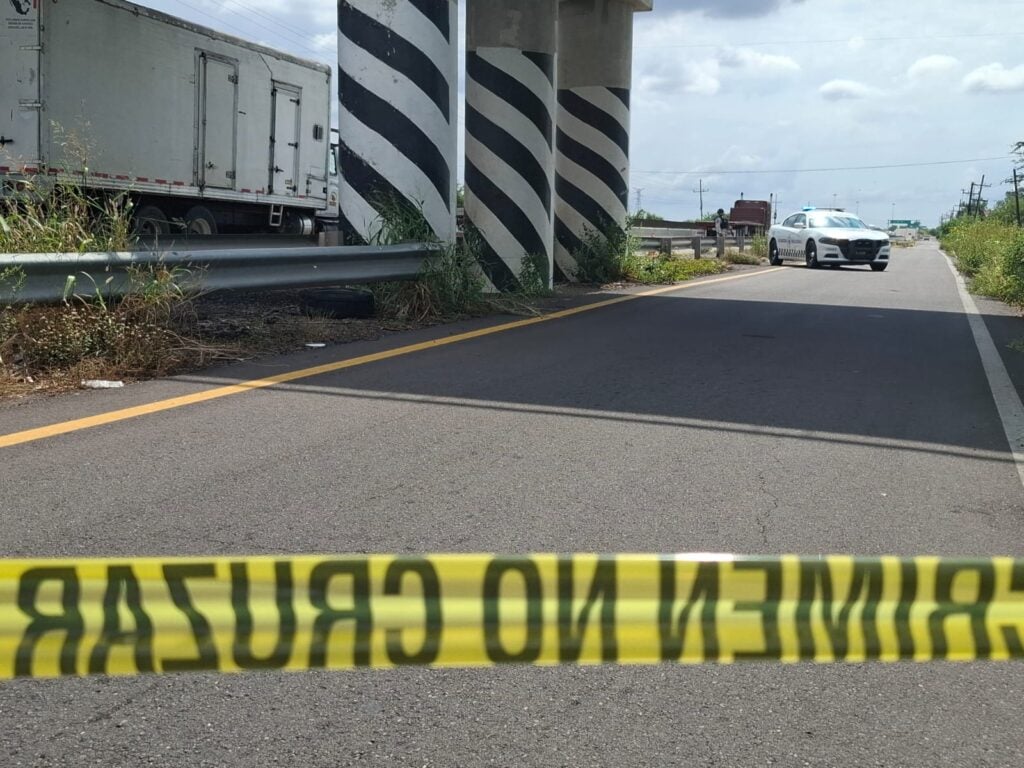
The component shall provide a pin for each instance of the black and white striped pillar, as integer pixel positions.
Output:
(510, 127)
(397, 85)
(595, 63)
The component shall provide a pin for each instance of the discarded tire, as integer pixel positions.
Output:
(337, 302)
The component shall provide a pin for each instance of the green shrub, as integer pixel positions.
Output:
(759, 246)
(1012, 268)
(534, 276)
(974, 242)
(144, 333)
(733, 256)
(64, 218)
(990, 253)
(664, 270)
(602, 256)
(451, 285)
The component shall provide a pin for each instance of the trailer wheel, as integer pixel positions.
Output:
(199, 221)
(337, 302)
(150, 221)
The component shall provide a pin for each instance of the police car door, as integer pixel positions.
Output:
(796, 237)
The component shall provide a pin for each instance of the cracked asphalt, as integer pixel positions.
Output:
(797, 411)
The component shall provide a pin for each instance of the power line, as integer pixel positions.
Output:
(224, 24)
(837, 40)
(303, 34)
(707, 172)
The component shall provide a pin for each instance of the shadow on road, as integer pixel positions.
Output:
(852, 373)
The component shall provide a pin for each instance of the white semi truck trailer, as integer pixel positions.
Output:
(207, 133)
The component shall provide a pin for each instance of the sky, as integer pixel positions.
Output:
(751, 97)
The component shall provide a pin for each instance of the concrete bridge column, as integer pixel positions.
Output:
(397, 87)
(595, 68)
(510, 115)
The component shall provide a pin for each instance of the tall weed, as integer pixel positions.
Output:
(990, 253)
(451, 284)
(59, 217)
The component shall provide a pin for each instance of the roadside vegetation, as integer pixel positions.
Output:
(162, 327)
(989, 251)
(614, 256)
(144, 334)
(452, 285)
(62, 218)
(659, 269)
(759, 247)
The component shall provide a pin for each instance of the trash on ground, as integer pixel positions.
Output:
(102, 384)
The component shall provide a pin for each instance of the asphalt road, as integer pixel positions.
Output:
(796, 411)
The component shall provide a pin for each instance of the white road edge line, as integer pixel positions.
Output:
(1011, 411)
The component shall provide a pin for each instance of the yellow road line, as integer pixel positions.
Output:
(76, 425)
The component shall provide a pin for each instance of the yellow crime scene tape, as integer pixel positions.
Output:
(228, 614)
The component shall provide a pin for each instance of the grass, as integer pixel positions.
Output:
(990, 253)
(64, 218)
(663, 270)
(452, 284)
(759, 246)
(148, 332)
(735, 256)
(603, 255)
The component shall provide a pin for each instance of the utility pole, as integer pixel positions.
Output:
(639, 200)
(701, 189)
(981, 188)
(970, 199)
(1016, 194)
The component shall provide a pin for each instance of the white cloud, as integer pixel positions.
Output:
(994, 78)
(325, 42)
(757, 63)
(856, 43)
(671, 78)
(932, 65)
(839, 90)
(672, 75)
(726, 8)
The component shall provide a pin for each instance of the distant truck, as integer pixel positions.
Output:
(752, 217)
(207, 133)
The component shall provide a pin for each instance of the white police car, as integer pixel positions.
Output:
(832, 236)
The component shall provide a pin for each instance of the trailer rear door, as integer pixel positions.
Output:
(218, 107)
(284, 140)
(20, 99)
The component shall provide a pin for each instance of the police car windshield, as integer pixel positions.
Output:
(824, 220)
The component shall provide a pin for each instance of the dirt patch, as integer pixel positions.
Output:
(236, 327)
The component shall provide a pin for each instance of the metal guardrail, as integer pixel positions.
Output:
(667, 243)
(44, 277)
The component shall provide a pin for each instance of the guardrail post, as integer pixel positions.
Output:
(741, 241)
(720, 246)
(695, 244)
(665, 246)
